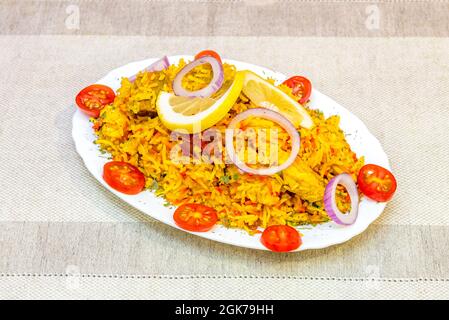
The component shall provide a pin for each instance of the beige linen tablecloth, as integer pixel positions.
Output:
(62, 235)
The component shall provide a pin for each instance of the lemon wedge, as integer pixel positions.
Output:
(265, 95)
(197, 114)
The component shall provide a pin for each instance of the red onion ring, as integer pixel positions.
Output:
(159, 65)
(330, 203)
(210, 89)
(270, 115)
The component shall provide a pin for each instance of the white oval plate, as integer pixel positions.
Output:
(361, 140)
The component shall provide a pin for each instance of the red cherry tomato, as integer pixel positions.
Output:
(93, 98)
(300, 86)
(376, 182)
(281, 238)
(195, 217)
(208, 53)
(123, 177)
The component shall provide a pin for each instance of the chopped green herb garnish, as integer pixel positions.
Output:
(225, 179)
(154, 185)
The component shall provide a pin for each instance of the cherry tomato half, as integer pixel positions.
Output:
(281, 238)
(208, 53)
(376, 182)
(123, 177)
(195, 217)
(300, 85)
(93, 98)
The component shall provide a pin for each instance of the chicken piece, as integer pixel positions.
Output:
(303, 181)
(144, 92)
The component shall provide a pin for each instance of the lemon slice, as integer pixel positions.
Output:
(197, 114)
(265, 95)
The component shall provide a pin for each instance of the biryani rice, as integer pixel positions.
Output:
(129, 130)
